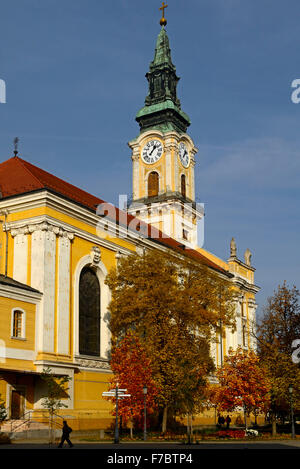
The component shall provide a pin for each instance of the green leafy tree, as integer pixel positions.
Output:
(56, 390)
(276, 331)
(175, 306)
(3, 413)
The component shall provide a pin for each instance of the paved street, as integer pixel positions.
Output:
(159, 448)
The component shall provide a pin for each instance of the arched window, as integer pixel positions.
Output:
(89, 313)
(183, 186)
(153, 184)
(18, 323)
(244, 335)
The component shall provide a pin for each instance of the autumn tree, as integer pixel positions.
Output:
(276, 331)
(242, 384)
(132, 370)
(175, 306)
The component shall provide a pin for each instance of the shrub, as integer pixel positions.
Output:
(4, 439)
(230, 434)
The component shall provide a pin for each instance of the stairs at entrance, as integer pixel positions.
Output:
(23, 429)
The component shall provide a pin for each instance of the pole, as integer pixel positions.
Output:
(145, 418)
(117, 425)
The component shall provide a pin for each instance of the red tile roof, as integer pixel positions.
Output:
(18, 176)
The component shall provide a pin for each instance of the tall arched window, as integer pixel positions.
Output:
(153, 184)
(244, 336)
(183, 186)
(89, 313)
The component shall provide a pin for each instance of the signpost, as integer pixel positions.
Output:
(117, 393)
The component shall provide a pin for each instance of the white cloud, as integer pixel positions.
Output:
(268, 164)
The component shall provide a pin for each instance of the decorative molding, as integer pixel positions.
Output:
(95, 256)
(15, 293)
(44, 226)
(98, 364)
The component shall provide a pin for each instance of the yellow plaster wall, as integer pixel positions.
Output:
(6, 307)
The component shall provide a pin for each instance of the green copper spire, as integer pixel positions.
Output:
(162, 108)
(162, 52)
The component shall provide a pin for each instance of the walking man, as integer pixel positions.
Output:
(228, 420)
(66, 430)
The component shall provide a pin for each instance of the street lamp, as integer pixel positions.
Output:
(145, 390)
(117, 423)
(292, 410)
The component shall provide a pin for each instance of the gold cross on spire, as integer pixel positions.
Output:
(163, 20)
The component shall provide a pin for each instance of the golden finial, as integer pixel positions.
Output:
(163, 20)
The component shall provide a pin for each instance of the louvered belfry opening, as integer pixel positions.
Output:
(183, 186)
(153, 184)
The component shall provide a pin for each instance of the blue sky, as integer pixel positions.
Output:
(75, 77)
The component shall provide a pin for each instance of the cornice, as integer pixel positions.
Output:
(245, 285)
(235, 260)
(28, 296)
(43, 226)
(92, 363)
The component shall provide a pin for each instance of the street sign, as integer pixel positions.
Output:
(118, 394)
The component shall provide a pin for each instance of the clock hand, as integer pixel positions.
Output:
(152, 150)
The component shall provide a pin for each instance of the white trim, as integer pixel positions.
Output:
(17, 354)
(19, 224)
(19, 294)
(105, 296)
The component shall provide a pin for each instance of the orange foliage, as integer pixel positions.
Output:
(132, 371)
(242, 383)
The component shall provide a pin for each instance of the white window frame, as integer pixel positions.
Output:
(23, 326)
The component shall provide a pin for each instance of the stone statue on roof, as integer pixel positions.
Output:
(232, 248)
(248, 256)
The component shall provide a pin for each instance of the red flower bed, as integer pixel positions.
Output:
(230, 434)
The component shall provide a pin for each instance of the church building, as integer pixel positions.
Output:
(58, 243)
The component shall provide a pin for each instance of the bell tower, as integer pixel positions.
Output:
(163, 155)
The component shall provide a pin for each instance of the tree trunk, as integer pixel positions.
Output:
(188, 428)
(245, 417)
(131, 429)
(273, 420)
(164, 420)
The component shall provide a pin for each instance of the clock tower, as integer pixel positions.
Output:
(163, 155)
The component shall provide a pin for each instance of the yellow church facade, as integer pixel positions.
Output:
(58, 243)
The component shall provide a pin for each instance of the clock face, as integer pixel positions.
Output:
(152, 151)
(184, 155)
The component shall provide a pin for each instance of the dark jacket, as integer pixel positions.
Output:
(66, 430)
